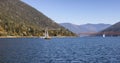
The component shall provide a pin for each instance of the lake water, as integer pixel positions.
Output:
(60, 50)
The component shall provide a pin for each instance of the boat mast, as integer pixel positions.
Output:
(46, 33)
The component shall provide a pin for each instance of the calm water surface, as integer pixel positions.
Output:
(60, 50)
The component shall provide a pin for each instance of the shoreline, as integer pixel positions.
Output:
(35, 36)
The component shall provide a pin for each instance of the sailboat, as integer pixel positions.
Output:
(46, 34)
(103, 35)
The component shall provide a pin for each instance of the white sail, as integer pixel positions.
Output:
(47, 34)
(104, 35)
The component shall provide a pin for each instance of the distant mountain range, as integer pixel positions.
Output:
(19, 19)
(85, 27)
(113, 30)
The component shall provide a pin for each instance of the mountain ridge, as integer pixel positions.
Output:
(113, 30)
(19, 19)
(85, 27)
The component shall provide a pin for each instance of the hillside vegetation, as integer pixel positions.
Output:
(19, 19)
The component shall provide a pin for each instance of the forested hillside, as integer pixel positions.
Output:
(19, 19)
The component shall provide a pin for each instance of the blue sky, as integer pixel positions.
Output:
(79, 11)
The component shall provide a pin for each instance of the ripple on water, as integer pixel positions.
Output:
(63, 50)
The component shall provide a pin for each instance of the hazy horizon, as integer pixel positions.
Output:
(79, 11)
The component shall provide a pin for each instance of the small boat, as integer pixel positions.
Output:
(47, 34)
(103, 35)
